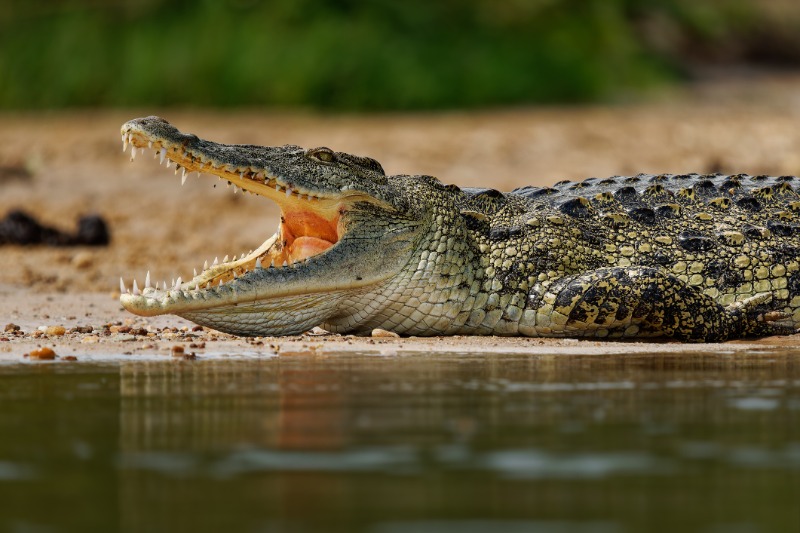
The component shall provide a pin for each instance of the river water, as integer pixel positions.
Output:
(419, 443)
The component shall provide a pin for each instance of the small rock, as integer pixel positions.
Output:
(378, 332)
(70, 358)
(43, 354)
(82, 329)
(90, 339)
(123, 337)
(55, 330)
(82, 260)
(11, 327)
(177, 351)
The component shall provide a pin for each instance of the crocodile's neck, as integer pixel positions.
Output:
(438, 287)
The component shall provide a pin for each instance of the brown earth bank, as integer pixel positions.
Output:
(58, 166)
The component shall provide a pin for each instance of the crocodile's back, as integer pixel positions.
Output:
(729, 237)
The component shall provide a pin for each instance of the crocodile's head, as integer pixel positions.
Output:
(343, 230)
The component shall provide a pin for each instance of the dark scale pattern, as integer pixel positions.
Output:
(705, 242)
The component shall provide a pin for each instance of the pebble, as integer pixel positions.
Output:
(177, 351)
(90, 339)
(378, 332)
(12, 327)
(43, 354)
(55, 330)
(82, 260)
(123, 337)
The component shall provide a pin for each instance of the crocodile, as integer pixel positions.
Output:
(693, 257)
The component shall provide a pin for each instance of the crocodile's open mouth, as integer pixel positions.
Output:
(310, 222)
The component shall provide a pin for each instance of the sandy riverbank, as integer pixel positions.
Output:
(58, 166)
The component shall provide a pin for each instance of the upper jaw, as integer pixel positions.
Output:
(264, 170)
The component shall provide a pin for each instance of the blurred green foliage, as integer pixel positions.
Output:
(348, 54)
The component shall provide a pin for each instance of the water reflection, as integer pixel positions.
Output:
(416, 443)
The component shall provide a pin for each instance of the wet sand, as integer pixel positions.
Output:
(58, 166)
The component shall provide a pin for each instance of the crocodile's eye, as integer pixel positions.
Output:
(324, 155)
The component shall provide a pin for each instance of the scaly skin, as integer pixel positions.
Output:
(694, 257)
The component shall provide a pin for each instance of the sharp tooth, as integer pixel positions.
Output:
(220, 283)
(124, 142)
(241, 174)
(177, 168)
(195, 272)
(162, 153)
(216, 262)
(288, 191)
(173, 282)
(272, 263)
(235, 189)
(135, 289)
(122, 288)
(133, 152)
(285, 264)
(169, 162)
(205, 264)
(225, 259)
(164, 283)
(208, 285)
(258, 262)
(178, 282)
(234, 275)
(147, 280)
(277, 187)
(183, 177)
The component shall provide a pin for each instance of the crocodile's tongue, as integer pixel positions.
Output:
(306, 233)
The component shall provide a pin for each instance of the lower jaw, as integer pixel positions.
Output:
(280, 316)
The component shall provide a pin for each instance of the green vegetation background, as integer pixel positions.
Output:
(373, 55)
